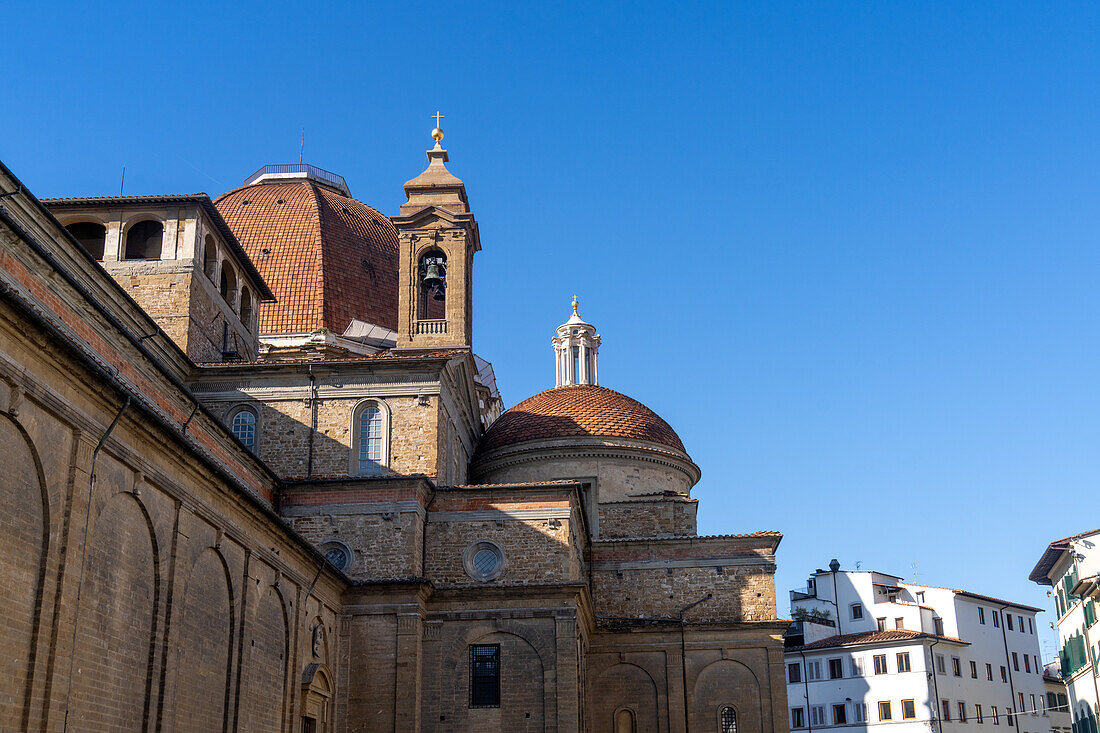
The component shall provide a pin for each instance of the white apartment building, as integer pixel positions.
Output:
(868, 650)
(1057, 698)
(1071, 566)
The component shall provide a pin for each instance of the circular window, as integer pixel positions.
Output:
(338, 553)
(483, 560)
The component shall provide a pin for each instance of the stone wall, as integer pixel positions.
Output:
(658, 577)
(639, 673)
(283, 432)
(739, 593)
(654, 518)
(623, 470)
(381, 520)
(137, 567)
(186, 306)
(535, 551)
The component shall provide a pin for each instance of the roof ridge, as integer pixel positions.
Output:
(321, 249)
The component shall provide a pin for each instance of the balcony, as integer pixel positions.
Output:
(801, 594)
(299, 170)
(433, 326)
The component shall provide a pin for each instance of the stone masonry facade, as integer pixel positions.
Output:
(208, 528)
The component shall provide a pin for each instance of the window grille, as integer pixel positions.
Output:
(370, 440)
(244, 427)
(728, 719)
(485, 676)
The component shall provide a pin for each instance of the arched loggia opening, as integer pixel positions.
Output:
(91, 235)
(144, 240)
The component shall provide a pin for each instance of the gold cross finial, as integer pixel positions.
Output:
(575, 304)
(437, 133)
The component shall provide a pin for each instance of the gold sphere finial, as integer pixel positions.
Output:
(437, 133)
(575, 304)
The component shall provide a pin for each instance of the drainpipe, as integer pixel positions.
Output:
(806, 688)
(424, 535)
(1008, 666)
(312, 420)
(936, 713)
(84, 544)
(683, 658)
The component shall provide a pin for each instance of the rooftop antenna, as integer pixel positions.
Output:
(914, 566)
(859, 564)
(302, 147)
(123, 181)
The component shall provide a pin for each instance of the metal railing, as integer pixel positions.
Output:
(309, 170)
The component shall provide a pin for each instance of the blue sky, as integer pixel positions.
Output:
(848, 250)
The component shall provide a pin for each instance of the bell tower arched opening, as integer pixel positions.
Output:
(431, 301)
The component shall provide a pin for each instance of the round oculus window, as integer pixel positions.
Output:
(483, 560)
(338, 553)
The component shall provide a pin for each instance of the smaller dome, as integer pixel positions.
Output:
(578, 410)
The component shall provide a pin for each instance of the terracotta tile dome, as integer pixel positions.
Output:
(578, 410)
(327, 257)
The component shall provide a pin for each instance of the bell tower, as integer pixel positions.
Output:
(437, 238)
(576, 348)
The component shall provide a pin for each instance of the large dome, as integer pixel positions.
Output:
(575, 411)
(327, 257)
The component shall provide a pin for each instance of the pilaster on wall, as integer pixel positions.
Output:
(410, 628)
(568, 696)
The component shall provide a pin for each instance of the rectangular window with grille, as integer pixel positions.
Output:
(485, 676)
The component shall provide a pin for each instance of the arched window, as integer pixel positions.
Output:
(209, 257)
(432, 299)
(370, 440)
(246, 308)
(624, 721)
(228, 283)
(144, 240)
(242, 422)
(92, 236)
(727, 720)
(370, 449)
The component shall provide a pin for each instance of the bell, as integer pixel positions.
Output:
(433, 278)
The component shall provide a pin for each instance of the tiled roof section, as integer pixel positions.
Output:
(979, 596)
(579, 410)
(1050, 557)
(188, 198)
(383, 356)
(650, 538)
(874, 637)
(328, 258)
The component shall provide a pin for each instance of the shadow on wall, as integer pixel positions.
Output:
(833, 692)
